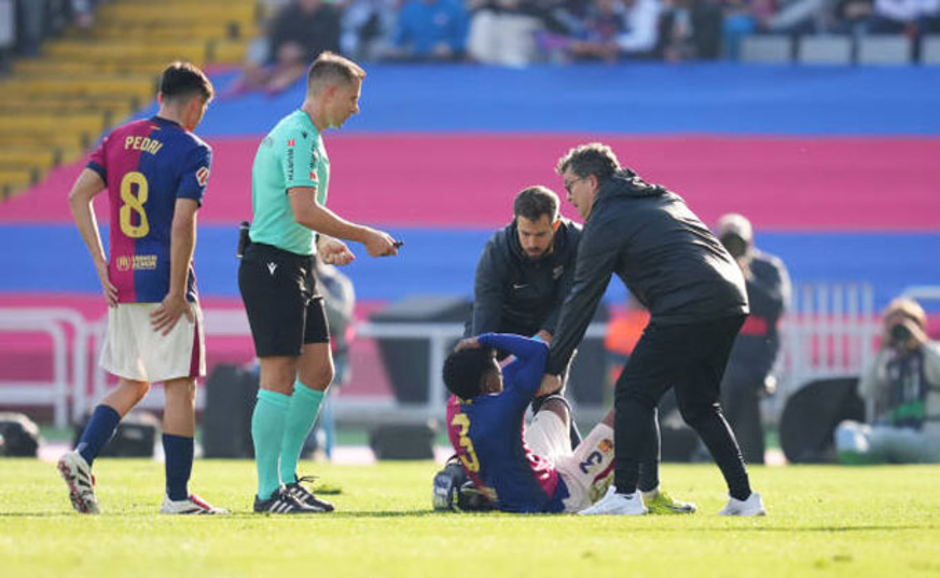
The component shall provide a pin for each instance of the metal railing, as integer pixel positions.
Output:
(829, 331)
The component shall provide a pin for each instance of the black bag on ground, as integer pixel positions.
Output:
(20, 436)
(135, 437)
(226, 422)
(811, 415)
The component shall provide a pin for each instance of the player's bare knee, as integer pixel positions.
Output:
(181, 389)
(318, 378)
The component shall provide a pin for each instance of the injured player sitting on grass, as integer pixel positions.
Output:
(503, 464)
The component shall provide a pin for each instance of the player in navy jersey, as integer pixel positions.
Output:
(519, 468)
(155, 172)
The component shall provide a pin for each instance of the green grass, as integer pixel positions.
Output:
(880, 521)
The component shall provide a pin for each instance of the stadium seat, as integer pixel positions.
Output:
(824, 50)
(54, 107)
(771, 49)
(930, 49)
(884, 49)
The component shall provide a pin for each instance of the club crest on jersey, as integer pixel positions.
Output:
(202, 176)
(606, 445)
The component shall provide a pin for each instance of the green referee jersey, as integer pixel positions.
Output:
(291, 155)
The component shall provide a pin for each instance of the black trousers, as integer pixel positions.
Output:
(692, 359)
(740, 404)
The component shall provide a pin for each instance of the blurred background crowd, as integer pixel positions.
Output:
(519, 32)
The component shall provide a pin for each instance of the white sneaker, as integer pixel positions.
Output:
(191, 505)
(752, 506)
(77, 475)
(614, 504)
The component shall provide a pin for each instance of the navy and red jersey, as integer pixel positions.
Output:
(487, 433)
(148, 165)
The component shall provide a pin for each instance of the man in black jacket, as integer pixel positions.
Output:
(748, 377)
(695, 294)
(525, 271)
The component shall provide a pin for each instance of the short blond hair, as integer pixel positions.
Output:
(330, 68)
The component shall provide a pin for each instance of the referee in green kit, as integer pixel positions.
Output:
(290, 226)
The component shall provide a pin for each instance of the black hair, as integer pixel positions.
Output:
(181, 80)
(593, 158)
(464, 371)
(533, 202)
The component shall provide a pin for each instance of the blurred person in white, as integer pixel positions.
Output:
(503, 32)
(910, 17)
(901, 389)
(609, 30)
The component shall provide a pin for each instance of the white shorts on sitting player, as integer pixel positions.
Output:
(587, 470)
(133, 350)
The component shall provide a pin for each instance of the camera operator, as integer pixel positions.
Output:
(902, 395)
(748, 376)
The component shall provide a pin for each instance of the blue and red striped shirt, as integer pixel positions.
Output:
(148, 165)
(487, 433)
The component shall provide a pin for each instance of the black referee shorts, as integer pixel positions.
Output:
(284, 309)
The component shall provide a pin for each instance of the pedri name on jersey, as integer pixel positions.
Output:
(143, 143)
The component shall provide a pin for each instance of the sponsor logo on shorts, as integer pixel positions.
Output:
(123, 263)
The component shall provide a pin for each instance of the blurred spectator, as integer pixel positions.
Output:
(298, 33)
(748, 377)
(901, 390)
(503, 31)
(742, 18)
(368, 26)
(430, 30)
(911, 17)
(36, 20)
(690, 29)
(609, 30)
(851, 16)
(339, 297)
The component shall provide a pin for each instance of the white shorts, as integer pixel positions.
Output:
(133, 350)
(587, 470)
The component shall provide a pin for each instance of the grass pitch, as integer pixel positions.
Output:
(879, 521)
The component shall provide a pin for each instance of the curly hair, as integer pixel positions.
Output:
(464, 371)
(593, 158)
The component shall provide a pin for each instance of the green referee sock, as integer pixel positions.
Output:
(301, 415)
(267, 431)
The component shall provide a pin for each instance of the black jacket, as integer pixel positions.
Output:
(756, 347)
(663, 253)
(516, 294)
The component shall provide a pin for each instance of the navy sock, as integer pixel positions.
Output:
(179, 465)
(100, 428)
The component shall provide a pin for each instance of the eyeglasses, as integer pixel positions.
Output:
(569, 184)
